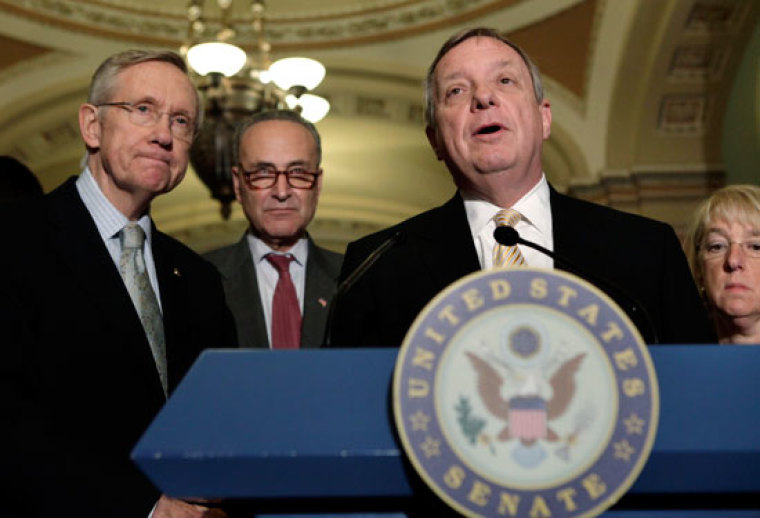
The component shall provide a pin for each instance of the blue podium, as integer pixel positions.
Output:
(316, 425)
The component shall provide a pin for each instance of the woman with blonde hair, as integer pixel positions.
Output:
(723, 248)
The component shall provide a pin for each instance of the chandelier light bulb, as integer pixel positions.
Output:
(219, 57)
(289, 72)
(265, 77)
(291, 101)
(313, 107)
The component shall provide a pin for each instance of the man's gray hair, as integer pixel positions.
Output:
(104, 80)
(278, 115)
(455, 40)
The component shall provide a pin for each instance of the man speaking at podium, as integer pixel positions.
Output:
(486, 120)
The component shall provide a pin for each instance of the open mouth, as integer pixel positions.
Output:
(487, 130)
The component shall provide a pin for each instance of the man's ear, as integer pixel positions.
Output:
(432, 137)
(89, 125)
(319, 181)
(236, 183)
(546, 118)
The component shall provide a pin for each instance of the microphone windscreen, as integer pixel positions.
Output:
(506, 236)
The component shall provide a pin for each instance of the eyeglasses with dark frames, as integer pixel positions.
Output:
(264, 177)
(146, 114)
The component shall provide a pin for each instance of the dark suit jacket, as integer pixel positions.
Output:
(78, 384)
(640, 256)
(241, 289)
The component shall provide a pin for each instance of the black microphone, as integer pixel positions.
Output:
(355, 275)
(508, 236)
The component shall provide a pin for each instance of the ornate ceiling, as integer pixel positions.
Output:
(638, 91)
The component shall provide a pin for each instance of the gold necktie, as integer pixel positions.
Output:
(507, 256)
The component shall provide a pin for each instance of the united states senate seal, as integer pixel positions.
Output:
(525, 392)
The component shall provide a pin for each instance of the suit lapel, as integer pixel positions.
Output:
(445, 243)
(563, 232)
(242, 291)
(77, 242)
(174, 296)
(319, 289)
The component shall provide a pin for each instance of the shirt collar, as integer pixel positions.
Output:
(259, 249)
(534, 207)
(108, 220)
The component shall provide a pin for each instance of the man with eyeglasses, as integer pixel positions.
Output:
(487, 119)
(101, 313)
(277, 281)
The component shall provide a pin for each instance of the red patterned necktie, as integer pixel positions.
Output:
(286, 312)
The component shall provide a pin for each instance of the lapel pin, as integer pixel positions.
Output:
(176, 272)
(322, 302)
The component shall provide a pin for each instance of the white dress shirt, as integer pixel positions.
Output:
(267, 276)
(110, 221)
(535, 225)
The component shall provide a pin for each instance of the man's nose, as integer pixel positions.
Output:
(162, 130)
(281, 188)
(482, 98)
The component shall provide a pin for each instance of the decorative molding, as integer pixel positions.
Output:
(392, 109)
(39, 62)
(43, 130)
(697, 63)
(683, 115)
(363, 25)
(50, 142)
(284, 31)
(631, 190)
(715, 16)
(700, 60)
(99, 19)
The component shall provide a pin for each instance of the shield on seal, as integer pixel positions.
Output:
(527, 417)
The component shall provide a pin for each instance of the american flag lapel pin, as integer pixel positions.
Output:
(322, 302)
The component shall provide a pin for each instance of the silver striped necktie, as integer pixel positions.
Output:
(135, 275)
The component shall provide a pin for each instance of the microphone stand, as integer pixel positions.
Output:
(355, 275)
(508, 236)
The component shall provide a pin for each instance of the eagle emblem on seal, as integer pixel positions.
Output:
(525, 389)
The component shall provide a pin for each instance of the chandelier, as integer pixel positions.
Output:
(235, 84)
